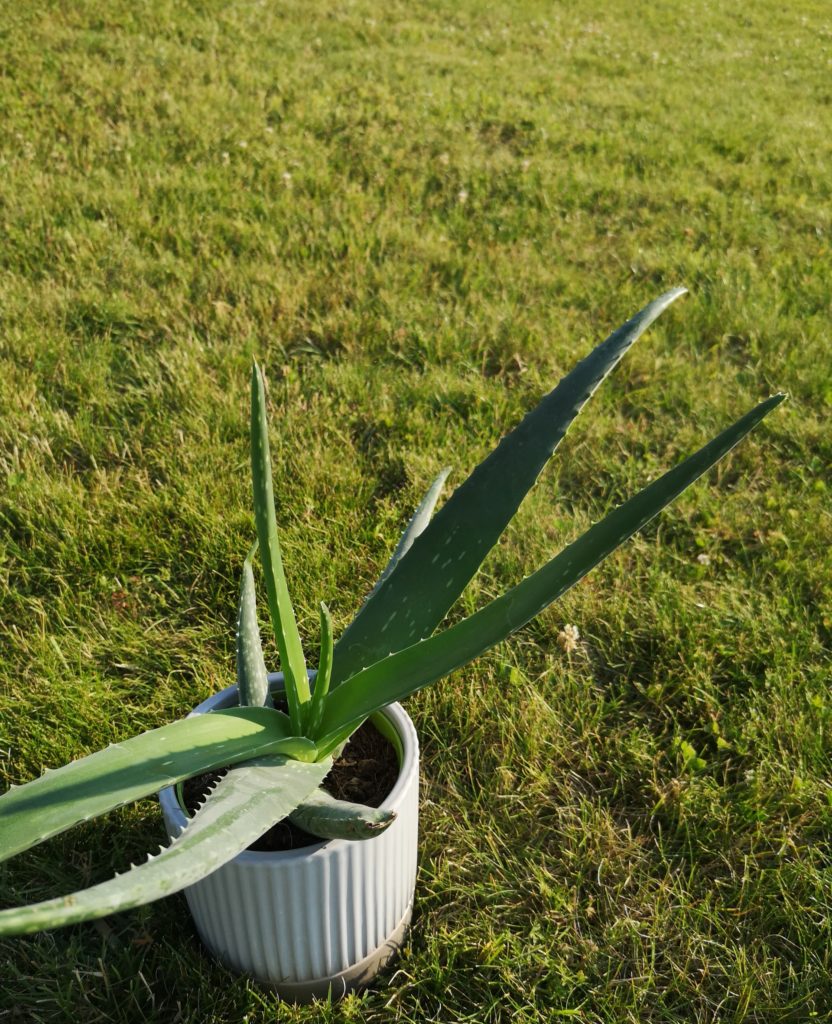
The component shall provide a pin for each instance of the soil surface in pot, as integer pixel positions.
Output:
(365, 773)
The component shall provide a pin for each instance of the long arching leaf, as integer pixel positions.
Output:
(414, 598)
(135, 768)
(245, 803)
(397, 676)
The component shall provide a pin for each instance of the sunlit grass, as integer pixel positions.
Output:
(417, 217)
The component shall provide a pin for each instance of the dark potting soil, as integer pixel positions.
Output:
(365, 773)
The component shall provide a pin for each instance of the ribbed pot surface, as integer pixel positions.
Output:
(325, 917)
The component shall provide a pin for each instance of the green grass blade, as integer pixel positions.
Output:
(280, 605)
(135, 768)
(322, 677)
(401, 674)
(245, 803)
(322, 815)
(252, 677)
(411, 602)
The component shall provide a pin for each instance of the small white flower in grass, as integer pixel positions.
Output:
(462, 196)
(568, 638)
(287, 179)
(225, 157)
(703, 559)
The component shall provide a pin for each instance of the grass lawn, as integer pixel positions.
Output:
(418, 216)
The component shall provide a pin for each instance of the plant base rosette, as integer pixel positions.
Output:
(322, 919)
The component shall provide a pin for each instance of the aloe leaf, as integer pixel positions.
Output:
(322, 815)
(334, 743)
(411, 602)
(252, 677)
(395, 677)
(135, 768)
(418, 521)
(322, 677)
(246, 802)
(280, 605)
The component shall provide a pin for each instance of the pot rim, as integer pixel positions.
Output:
(395, 715)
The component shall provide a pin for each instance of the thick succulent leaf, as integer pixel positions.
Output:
(333, 744)
(246, 802)
(322, 676)
(252, 677)
(322, 815)
(414, 598)
(401, 674)
(137, 767)
(418, 521)
(280, 605)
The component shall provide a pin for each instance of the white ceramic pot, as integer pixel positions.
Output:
(324, 918)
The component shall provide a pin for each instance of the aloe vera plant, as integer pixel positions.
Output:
(391, 649)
